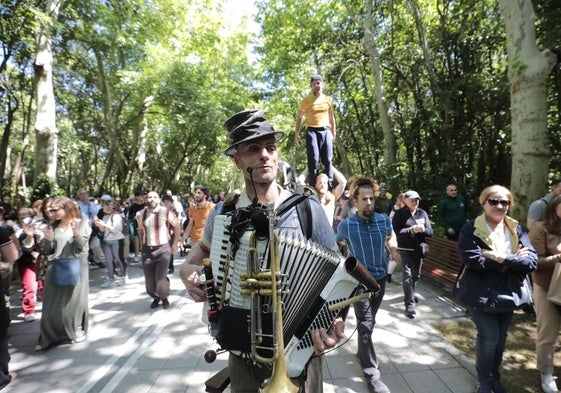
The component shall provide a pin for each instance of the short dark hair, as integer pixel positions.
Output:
(555, 182)
(204, 190)
(167, 197)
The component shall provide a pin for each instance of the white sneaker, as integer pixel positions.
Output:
(80, 336)
(29, 318)
(122, 281)
(548, 383)
(108, 283)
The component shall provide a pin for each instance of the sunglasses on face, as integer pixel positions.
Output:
(54, 210)
(496, 202)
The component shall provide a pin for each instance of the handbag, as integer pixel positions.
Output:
(67, 271)
(515, 294)
(554, 291)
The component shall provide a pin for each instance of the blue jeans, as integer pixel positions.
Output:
(490, 343)
(319, 146)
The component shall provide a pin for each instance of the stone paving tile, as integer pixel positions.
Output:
(132, 348)
(458, 379)
(425, 381)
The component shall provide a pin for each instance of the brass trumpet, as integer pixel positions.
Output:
(257, 282)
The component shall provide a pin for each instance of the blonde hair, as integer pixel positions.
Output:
(495, 189)
(26, 210)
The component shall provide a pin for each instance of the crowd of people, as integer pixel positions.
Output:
(87, 231)
(357, 217)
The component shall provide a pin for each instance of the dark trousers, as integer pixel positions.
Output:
(365, 311)
(122, 256)
(4, 353)
(411, 264)
(170, 264)
(247, 377)
(319, 146)
(155, 267)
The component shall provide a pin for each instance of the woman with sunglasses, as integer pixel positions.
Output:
(489, 246)
(546, 238)
(65, 308)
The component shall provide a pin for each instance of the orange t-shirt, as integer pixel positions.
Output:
(199, 215)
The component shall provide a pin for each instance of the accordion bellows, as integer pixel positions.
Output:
(315, 279)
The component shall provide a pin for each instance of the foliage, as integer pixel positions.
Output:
(44, 188)
(143, 89)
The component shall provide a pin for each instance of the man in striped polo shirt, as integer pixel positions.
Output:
(154, 222)
(367, 235)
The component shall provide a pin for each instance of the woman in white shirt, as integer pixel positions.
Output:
(111, 225)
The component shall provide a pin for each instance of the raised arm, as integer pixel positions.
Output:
(341, 183)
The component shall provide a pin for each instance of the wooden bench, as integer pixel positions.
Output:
(442, 262)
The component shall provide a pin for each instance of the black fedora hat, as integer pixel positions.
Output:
(246, 126)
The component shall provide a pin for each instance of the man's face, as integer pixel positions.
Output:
(107, 207)
(452, 191)
(199, 196)
(139, 199)
(152, 199)
(556, 189)
(322, 185)
(412, 203)
(83, 196)
(7, 200)
(364, 202)
(317, 87)
(261, 155)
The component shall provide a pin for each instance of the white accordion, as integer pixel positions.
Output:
(316, 280)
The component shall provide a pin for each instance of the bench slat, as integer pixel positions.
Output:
(442, 262)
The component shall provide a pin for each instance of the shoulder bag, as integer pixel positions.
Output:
(554, 292)
(67, 271)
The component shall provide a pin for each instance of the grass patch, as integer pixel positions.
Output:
(518, 371)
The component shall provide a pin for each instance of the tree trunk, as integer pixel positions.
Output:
(45, 122)
(527, 74)
(376, 69)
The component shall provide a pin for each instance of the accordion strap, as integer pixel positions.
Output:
(304, 211)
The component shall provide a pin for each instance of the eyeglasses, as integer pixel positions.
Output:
(54, 210)
(496, 202)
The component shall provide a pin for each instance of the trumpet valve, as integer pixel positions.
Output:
(257, 291)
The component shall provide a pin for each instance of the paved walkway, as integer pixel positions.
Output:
(132, 348)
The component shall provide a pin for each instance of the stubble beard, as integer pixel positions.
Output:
(368, 213)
